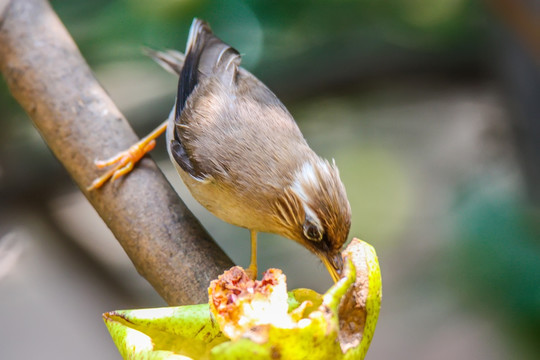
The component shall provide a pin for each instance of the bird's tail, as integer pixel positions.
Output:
(206, 56)
(170, 60)
(211, 56)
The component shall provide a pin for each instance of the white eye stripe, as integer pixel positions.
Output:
(313, 218)
(312, 224)
(306, 178)
(303, 178)
(307, 173)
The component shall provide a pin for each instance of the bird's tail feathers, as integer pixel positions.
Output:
(213, 56)
(206, 56)
(170, 60)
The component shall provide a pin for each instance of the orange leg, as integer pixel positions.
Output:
(125, 160)
(252, 269)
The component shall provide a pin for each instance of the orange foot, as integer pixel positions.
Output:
(125, 160)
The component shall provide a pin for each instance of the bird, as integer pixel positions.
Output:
(241, 154)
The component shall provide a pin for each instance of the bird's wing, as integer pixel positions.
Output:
(207, 57)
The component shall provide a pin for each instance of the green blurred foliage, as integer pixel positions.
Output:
(494, 262)
(277, 37)
(107, 30)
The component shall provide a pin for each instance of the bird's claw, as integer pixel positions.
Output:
(123, 161)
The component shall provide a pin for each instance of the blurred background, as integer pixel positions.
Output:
(431, 110)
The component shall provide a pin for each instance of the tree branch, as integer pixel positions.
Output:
(48, 76)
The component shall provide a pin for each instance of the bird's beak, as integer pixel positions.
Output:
(334, 264)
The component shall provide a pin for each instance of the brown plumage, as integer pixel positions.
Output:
(242, 156)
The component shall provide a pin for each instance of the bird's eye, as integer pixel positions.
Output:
(312, 232)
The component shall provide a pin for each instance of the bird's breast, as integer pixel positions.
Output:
(231, 204)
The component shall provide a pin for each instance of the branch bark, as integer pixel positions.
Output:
(49, 78)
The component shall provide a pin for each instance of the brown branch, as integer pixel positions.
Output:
(48, 76)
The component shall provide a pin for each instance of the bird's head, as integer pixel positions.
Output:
(314, 211)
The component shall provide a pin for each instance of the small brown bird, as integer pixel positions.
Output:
(241, 154)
